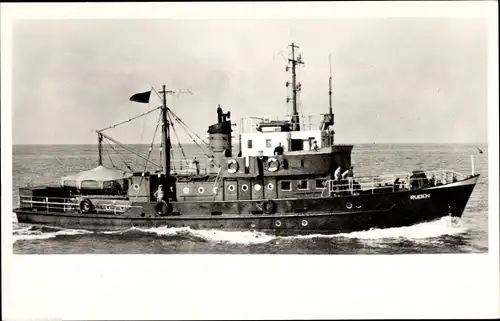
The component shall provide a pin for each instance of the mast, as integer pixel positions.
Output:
(330, 86)
(165, 138)
(99, 144)
(296, 87)
(330, 122)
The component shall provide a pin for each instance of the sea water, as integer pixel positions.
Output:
(43, 164)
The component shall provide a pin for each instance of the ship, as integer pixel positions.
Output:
(288, 177)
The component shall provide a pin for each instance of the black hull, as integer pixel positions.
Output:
(330, 215)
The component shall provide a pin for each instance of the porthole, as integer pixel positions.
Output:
(349, 206)
(136, 187)
(244, 187)
(277, 223)
(231, 188)
(185, 190)
(304, 223)
(257, 187)
(359, 206)
(201, 190)
(215, 189)
(270, 186)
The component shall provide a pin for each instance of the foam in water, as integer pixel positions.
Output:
(441, 227)
(29, 234)
(444, 226)
(242, 237)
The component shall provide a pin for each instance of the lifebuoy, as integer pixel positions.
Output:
(232, 166)
(162, 208)
(268, 207)
(273, 164)
(86, 206)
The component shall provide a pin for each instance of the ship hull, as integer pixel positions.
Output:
(330, 215)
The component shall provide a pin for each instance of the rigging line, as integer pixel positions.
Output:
(183, 124)
(129, 120)
(178, 140)
(157, 94)
(190, 136)
(109, 156)
(149, 154)
(152, 143)
(144, 125)
(121, 157)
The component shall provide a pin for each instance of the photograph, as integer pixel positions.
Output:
(183, 160)
(361, 142)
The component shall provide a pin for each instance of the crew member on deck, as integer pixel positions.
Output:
(348, 174)
(314, 146)
(196, 164)
(278, 150)
(337, 175)
(159, 193)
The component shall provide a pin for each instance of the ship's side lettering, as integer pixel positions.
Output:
(420, 196)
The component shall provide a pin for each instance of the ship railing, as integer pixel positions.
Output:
(391, 182)
(188, 167)
(307, 122)
(61, 204)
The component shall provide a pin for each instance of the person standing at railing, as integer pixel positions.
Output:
(337, 177)
(159, 193)
(314, 146)
(196, 164)
(278, 150)
(348, 175)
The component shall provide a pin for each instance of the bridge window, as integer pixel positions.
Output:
(320, 182)
(249, 144)
(303, 184)
(286, 185)
(268, 143)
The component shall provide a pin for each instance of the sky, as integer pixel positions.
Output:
(395, 80)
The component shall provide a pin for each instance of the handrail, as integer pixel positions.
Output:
(249, 124)
(186, 166)
(67, 204)
(373, 183)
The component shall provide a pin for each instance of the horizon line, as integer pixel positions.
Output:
(190, 143)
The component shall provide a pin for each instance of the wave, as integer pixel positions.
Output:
(34, 232)
(422, 231)
(241, 237)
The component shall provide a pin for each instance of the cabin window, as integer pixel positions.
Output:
(303, 184)
(320, 183)
(286, 185)
(249, 144)
(268, 143)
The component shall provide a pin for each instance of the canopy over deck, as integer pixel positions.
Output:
(99, 177)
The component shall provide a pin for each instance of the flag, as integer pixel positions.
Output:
(141, 97)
